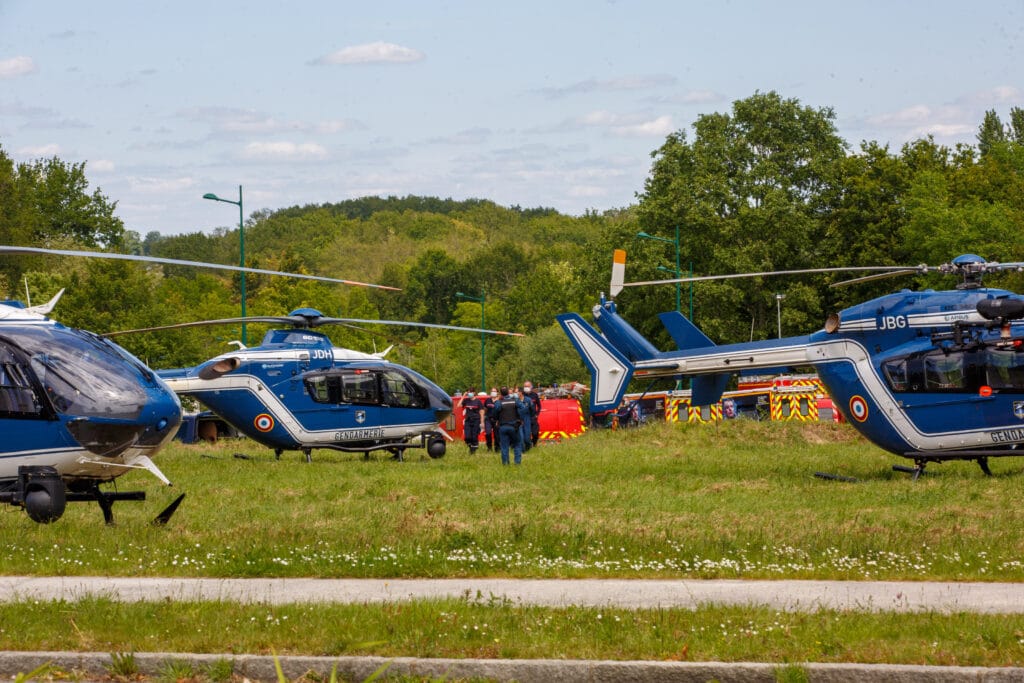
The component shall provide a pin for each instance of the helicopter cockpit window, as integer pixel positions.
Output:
(17, 399)
(83, 374)
(400, 391)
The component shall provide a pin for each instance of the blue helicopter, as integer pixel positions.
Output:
(77, 411)
(297, 391)
(928, 375)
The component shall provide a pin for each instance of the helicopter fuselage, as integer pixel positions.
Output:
(296, 391)
(77, 405)
(921, 374)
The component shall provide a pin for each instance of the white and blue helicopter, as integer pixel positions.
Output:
(77, 410)
(928, 375)
(297, 391)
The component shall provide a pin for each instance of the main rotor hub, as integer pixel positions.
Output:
(970, 267)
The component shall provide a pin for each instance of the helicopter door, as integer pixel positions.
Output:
(350, 401)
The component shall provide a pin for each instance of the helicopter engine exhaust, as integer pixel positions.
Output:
(221, 367)
(1005, 308)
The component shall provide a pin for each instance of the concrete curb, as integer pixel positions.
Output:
(788, 595)
(95, 666)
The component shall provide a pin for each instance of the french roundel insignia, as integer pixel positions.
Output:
(858, 408)
(263, 422)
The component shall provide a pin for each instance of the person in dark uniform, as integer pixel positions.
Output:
(471, 407)
(490, 432)
(506, 414)
(525, 412)
(534, 397)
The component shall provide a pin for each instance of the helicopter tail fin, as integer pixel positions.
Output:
(685, 334)
(610, 371)
(618, 272)
(44, 309)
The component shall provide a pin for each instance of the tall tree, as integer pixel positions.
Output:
(990, 132)
(750, 193)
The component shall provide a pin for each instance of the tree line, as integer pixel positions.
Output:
(768, 185)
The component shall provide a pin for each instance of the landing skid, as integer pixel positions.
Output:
(917, 470)
(980, 457)
(106, 500)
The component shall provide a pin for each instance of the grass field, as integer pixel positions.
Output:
(727, 501)
(455, 628)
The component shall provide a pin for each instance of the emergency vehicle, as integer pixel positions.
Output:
(561, 416)
(778, 398)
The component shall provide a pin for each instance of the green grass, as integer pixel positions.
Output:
(456, 628)
(727, 501)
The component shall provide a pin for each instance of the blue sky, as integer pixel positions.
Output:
(556, 103)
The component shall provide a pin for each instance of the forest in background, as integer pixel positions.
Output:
(768, 185)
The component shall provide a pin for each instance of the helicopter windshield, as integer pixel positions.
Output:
(82, 374)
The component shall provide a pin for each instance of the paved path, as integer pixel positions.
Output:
(897, 596)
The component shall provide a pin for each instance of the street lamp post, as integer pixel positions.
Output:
(778, 311)
(241, 245)
(482, 300)
(678, 272)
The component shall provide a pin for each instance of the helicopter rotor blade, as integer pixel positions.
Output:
(803, 271)
(317, 322)
(272, 319)
(177, 262)
(881, 276)
(308, 322)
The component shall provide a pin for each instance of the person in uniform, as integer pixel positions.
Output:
(506, 415)
(525, 418)
(534, 397)
(490, 433)
(471, 407)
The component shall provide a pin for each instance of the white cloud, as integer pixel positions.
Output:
(16, 66)
(372, 53)
(659, 127)
(903, 117)
(630, 125)
(101, 165)
(252, 122)
(148, 184)
(945, 130)
(284, 151)
(49, 150)
(625, 83)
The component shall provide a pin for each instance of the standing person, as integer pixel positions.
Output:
(471, 407)
(534, 411)
(490, 433)
(525, 417)
(506, 414)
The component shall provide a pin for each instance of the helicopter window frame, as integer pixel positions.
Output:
(956, 371)
(345, 386)
(399, 391)
(18, 398)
